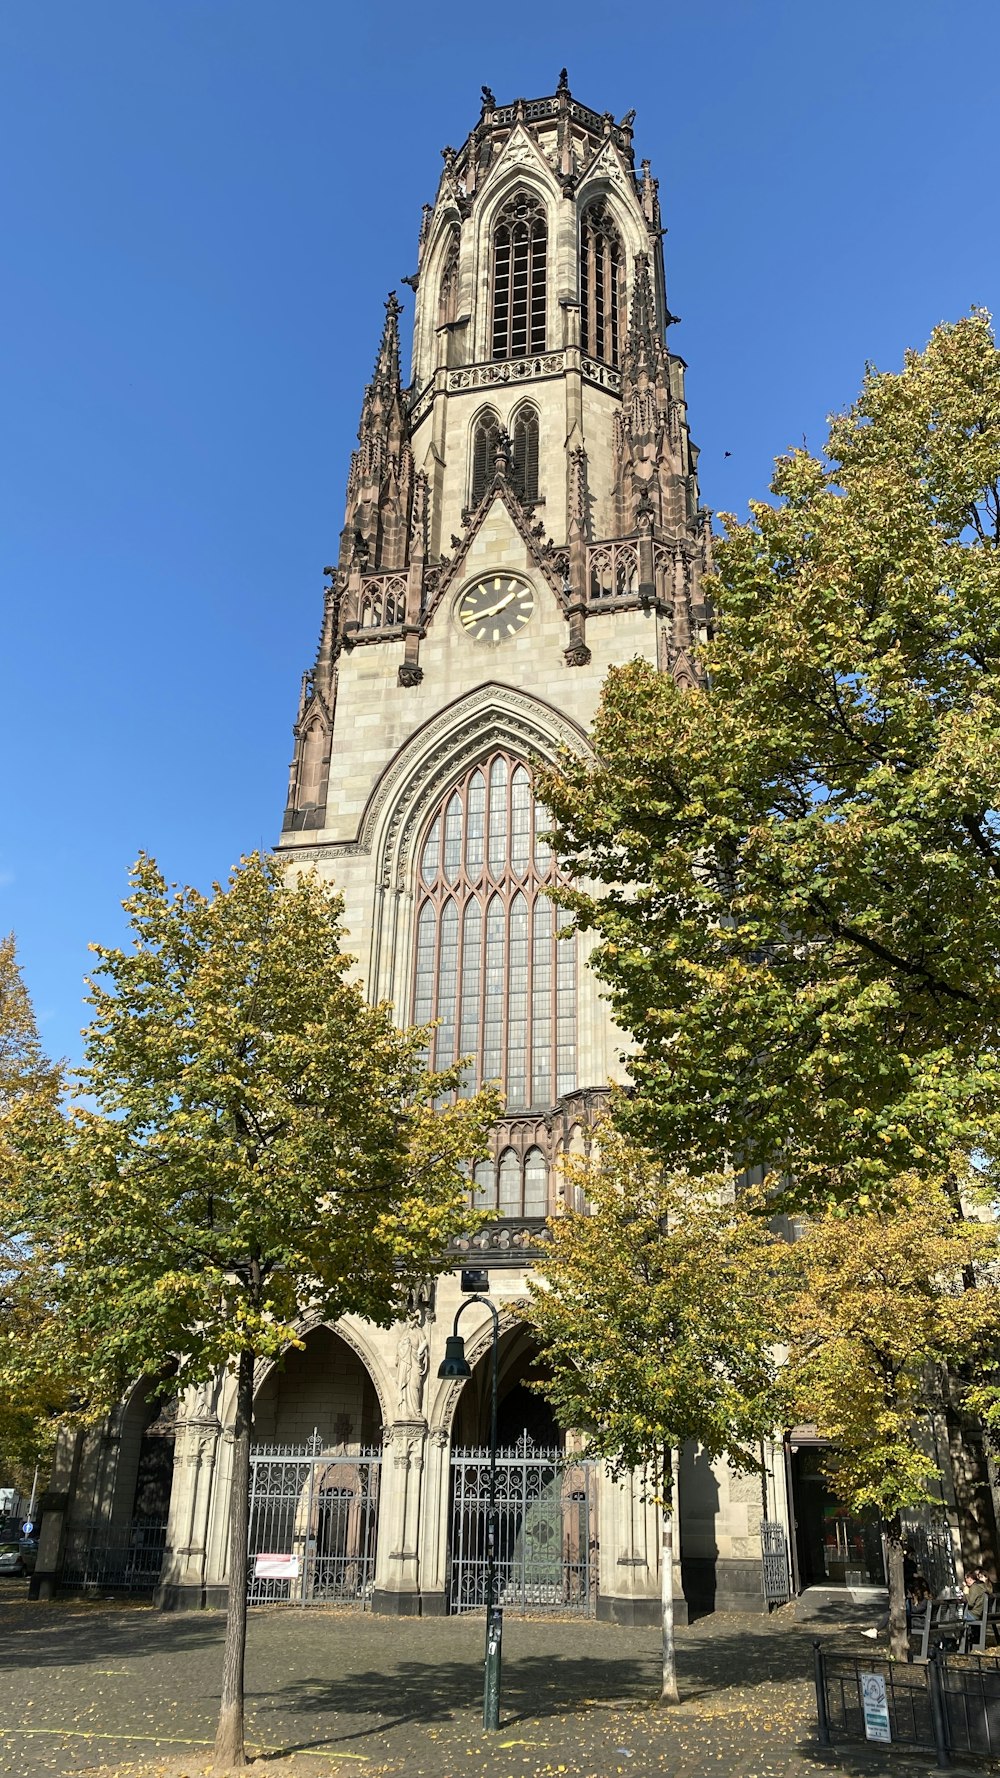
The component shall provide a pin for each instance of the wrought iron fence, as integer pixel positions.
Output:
(930, 1545)
(970, 1694)
(942, 1705)
(775, 1572)
(840, 1698)
(114, 1558)
(546, 1543)
(313, 1524)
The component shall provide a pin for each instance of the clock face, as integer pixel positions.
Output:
(495, 607)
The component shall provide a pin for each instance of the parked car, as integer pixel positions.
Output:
(10, 1558)
(18, 1555)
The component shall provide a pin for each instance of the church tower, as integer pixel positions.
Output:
(521, 514)
(518, 517)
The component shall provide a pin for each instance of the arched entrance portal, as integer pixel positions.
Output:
(119, 1548)
(314, 1480)
(546, 1522)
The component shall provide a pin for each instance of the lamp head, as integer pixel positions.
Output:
(454, 1363)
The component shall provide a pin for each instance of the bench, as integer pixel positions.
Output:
(978, 1632)
(940, 1621)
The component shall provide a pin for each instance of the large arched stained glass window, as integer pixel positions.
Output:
(489, 964)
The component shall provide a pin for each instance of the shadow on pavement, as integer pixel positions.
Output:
(535, 1685)
(69, 1634)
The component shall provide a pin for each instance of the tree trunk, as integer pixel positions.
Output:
(899, 1642)
(669, 1693)
(229, 1750)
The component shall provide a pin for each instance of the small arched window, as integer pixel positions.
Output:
(509, 1178)
(536, 1183)
(519, 250)
(524, 453)
(448, 287)
(602, 297)
(485, 433)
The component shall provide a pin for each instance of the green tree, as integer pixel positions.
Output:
(657, 1315)
(259, 1140)
(29, 1093)
(881, 1306)
(793, 871)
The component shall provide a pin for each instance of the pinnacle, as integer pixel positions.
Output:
(387, 362)
(644, 340)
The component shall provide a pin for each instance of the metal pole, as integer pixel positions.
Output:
(938, 1717)
(822, 1714)
(494, 1615)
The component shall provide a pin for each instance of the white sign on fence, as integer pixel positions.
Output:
(276, 1568)
(875, 1706)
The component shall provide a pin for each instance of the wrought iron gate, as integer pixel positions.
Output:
(123, 1558)
(546, 1530)
(774, 1562)
(313, 1524)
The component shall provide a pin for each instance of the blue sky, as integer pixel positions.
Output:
(204, 203)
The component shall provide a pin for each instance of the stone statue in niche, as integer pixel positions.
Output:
(412, 1360)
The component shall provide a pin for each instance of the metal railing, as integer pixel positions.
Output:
(114, 1559)
(943, 1705)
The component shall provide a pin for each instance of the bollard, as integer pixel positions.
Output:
(491, 1685)
(938, 1718)
(822, 1716)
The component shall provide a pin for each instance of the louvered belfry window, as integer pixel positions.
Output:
(448, 288)
(485, 433)
(488, 963)
(524, 452)
(601, 284)
(519, 250)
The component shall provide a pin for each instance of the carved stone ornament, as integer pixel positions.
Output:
(412, 1361)
(602, 374)
(577, 655)
(410, 673)
(508, 370)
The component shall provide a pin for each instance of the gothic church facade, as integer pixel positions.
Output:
(521, 514)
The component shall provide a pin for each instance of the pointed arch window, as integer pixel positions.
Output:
(448, 287)
(520, 242)
(488, 959)
(485, 433)
(524, 452)
(602, 293)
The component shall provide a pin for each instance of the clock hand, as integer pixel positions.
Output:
(496, 609)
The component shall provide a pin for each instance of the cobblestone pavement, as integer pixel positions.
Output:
(95, 1686)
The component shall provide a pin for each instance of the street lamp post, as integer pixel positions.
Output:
(455, 1364)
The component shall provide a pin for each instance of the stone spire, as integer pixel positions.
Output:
(380, 483)
(642, 467)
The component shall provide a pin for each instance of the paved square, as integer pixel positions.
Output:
(87, 1686)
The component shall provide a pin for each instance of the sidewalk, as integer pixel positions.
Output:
(88, 1688)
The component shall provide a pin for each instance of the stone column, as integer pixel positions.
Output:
(397, 1563)
(184, 1573)
(53, 1508)
(434, 1525)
